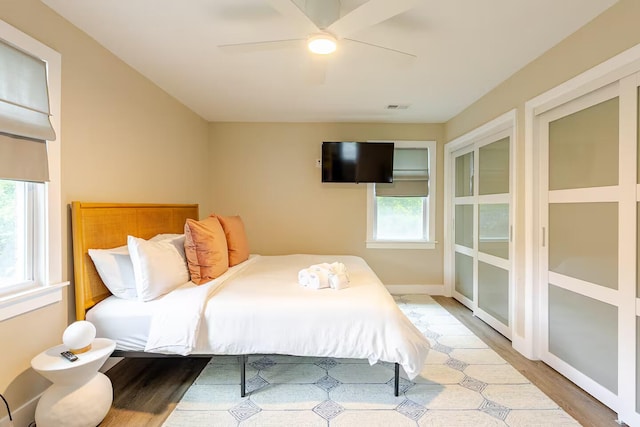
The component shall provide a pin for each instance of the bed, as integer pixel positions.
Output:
(256, 307)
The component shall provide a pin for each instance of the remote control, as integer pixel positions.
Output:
(69, 356)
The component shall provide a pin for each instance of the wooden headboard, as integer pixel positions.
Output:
(107, 225)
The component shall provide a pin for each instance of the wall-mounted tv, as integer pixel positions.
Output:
(357, 162)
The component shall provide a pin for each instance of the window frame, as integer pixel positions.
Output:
(429, 210)
(48, 251)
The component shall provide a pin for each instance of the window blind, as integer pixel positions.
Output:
(410, 174)
(23, 159)
(24, 116)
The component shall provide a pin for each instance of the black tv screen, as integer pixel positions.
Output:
(357, 162)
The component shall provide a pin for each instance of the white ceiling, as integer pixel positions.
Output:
(463, 49)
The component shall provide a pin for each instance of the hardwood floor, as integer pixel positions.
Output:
(147, 390)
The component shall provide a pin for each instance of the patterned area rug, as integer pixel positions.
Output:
(463, 383)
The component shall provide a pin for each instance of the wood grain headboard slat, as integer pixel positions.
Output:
(107, 225)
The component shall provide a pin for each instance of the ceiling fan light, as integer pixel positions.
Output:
(322, 44)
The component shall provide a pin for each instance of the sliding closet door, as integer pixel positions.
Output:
(482, 229)
(588, 255)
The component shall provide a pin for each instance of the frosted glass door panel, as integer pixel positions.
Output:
(464, 225)
(464, 275)
(584, 333)
(493, 291)
(493, 229)
(493, 177)
(583, 241)
(464, 175)
(583, 148)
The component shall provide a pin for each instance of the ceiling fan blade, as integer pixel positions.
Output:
(388, 49)
(262, 46)
(370, 13)
(294, 14)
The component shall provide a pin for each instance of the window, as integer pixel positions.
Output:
(30, 207)
(401, 215)
(17, 238)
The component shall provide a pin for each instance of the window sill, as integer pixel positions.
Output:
(22, 302)
(385, 244)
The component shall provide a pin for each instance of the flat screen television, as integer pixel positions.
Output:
(357, 162)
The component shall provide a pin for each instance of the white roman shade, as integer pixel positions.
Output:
(24, 116)
(23, 159)
(410, 174)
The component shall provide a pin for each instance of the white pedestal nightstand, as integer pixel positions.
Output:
(80, 396)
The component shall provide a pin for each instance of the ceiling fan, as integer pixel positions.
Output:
(321, 21)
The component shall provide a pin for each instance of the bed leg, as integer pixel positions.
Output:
(243, 383)
(396, 381)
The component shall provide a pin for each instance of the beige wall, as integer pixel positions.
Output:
(123, 140)
(612, 32)
(266, 173)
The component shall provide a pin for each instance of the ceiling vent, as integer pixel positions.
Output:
(397, 106)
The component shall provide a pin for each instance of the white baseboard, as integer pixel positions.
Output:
(22, 416)
(415, 289)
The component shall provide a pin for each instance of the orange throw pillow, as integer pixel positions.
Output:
(237, 242)
(205, 246)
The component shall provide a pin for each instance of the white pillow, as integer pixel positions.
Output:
(175, 239)
(116, 271)
(158, 267)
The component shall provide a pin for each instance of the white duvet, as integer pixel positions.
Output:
(175, 323)
(261, 309)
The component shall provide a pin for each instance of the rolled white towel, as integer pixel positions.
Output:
(340, 268)
(303, 277)
(338, 281)
(318, 278)
(323, 266)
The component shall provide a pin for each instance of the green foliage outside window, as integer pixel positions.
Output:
(400, 218)
(7, 230)
(401, 205)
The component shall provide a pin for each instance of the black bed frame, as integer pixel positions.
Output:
(243, 366)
